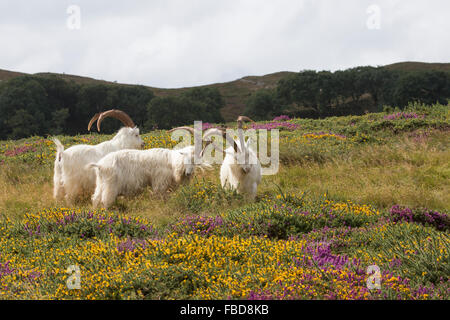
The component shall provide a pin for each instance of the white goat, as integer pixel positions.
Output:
(127, 172)
(71, 178)
(241, 168)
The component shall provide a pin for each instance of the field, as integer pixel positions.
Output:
(351, 192)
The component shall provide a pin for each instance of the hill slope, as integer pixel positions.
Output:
(235, 93)
(418, 66)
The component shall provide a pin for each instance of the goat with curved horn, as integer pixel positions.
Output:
(241, 169)
(70, 179)
(118, 114)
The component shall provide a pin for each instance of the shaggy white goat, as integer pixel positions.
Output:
(241, 168)
(71, 178)
(129, 171)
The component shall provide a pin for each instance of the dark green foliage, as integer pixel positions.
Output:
(41, 105)
(261, 105)
(196, 104)
(45, 104)
(311, 94)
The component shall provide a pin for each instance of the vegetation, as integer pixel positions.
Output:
(349, 92)
(196, 104)
(37, 105)
(47, 103)
(352, 191)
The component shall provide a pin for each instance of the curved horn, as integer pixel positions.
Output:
(223, 133)
(190, 129)
(241, 119)
(207, 144)
(94, 118)
(118, 114)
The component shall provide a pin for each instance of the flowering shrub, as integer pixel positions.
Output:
(275, 125)
(294, 215)
(321, 256)
(82, 224)
(403, 115)
(202, 195)
(207, 125)
(322, 135)
(5, 269)
(216, 246)
(440, 221)
(204, 226)
(19, 150)
(281, 118)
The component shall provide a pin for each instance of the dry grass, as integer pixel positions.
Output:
(408, 173)
(404, 172)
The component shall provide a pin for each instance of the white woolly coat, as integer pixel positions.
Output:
(244, 178)
(129, 171)
(71, 177)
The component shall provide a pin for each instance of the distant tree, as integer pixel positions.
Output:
(91, 99)
(196, 104)
(262, 105)
(23, 97)
(23, 124)
(424, 86)
(302, 88)
(327, 95)
(59, 118)
(131, 99)
(163, 112)
(211, 98)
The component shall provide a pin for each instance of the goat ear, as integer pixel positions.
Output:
(249, 140)
(231, 153)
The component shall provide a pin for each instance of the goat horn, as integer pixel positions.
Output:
(118, 114)
(190, 129)
(240, 119)
(94, 118)
(206, 145)
(224, 135)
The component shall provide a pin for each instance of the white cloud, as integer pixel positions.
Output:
(176, 43)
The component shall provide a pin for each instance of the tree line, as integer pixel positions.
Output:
(354, 91)
(43, 105)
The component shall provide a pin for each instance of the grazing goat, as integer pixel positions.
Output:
(241, 168)
(126, 172)
(71, 178)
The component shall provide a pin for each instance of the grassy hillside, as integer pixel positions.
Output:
(235, 93)
(351, 192)
(419, 66)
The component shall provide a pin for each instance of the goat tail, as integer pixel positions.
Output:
(59, 148)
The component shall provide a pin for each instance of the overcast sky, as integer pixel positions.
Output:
(177, 43)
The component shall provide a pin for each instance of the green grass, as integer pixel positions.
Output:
(378, 167)
(346, 182)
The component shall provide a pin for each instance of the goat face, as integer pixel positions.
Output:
(188, 159)
(244, 157)
(130, 138)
